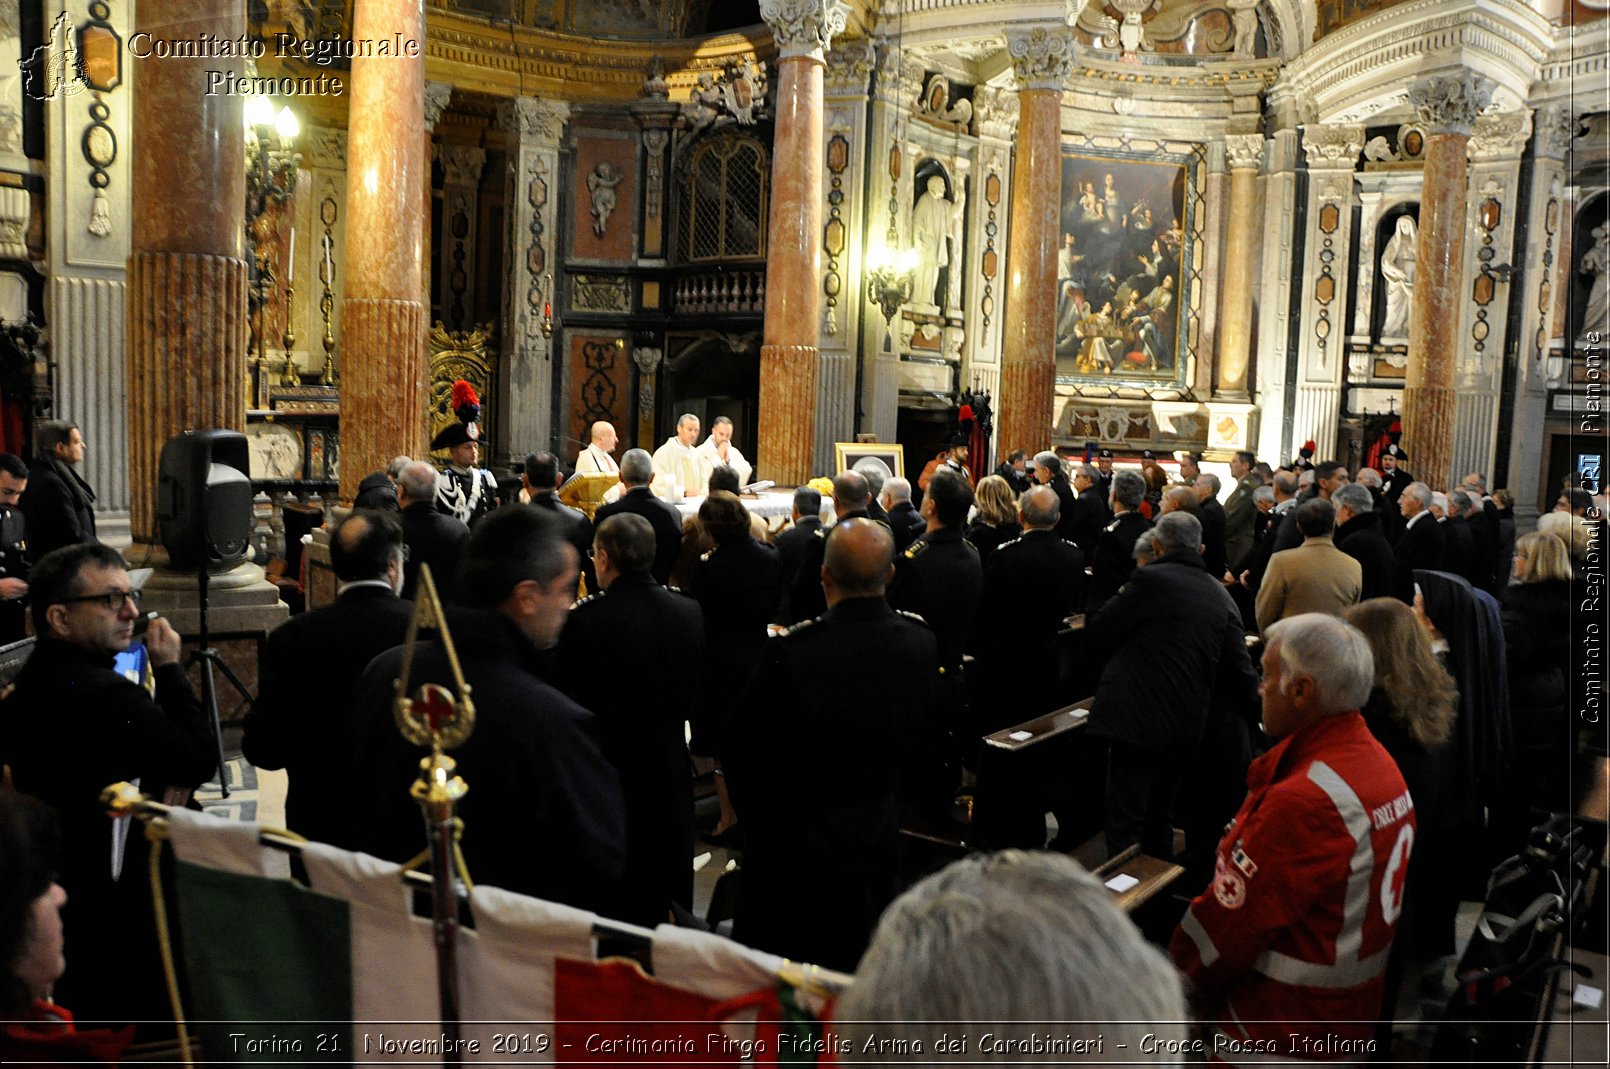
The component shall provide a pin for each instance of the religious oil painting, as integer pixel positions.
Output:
(1123, 255)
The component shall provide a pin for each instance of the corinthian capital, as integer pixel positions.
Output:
(1555, 127)
(1244, 151)
(1042, 58)
(437, 97)
(1450, 104)
(849, 66)
(803, 27)
(1328, 145)
(529, 117)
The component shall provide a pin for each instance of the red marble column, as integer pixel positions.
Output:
(1449, 107)
(1043, 59)
(1245, 153)
(788, 352)
(384, 364)
(186, 301)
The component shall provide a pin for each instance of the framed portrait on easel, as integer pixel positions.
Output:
(848, 456)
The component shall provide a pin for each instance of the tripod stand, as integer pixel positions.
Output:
(208, 658)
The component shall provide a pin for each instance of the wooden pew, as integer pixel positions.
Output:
(1154, 875)
(1042, 764)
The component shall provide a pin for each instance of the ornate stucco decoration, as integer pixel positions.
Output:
(543, 120)
(437, 96)
(1555, 126)
(1332, 146)
(1244, 151)
(1500, 136)
(803, 27)
(1450, 104)
(849, 66)
(738, 95)
(935, 104)
(1042, 58)
(996, 112)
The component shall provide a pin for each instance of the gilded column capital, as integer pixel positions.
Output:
(437, 96)
(1042, 58)
(461, 164)
(1332, 146)
(1450, 104)
(995, 111)
(1244, 151)
(1554, 128)
(848, 68)
(529, 117)
(803, 27)
(1500, 136)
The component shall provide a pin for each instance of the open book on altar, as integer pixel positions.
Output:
(586, 492)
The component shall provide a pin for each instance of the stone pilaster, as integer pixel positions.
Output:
(1278, 189)
(1042, 59)
(532, 129)
(88, 234)
(1494, 155)
(1332, 151)
(456, 259)
(1244, 154)
(843, 240)
(1448, 106)
(803, 30)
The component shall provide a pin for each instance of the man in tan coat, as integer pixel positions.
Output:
(1313, 577)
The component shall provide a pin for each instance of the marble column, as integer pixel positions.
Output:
(1448, 106)
(531, 131)
(384, 365)
(802, 29)
(186, 307)
(1244, 153)
(1042, 59)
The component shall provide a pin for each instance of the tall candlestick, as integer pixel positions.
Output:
(290, 266)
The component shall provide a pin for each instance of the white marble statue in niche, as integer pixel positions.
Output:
(930, 233)
(601, 188)
(1397, 273)
(1596, 262)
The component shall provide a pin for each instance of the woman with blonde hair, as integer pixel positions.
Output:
(1536, 610)
(996, 521)
(1411, 713)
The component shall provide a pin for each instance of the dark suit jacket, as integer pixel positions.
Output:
(1419, 548)
(436, 539)
(640, 724)
(666, 521)
(906, 523)
(792, 544)
(540, 786)
(1458, 549)
(1089, 517)
(1031, 586)
(1068, 512)
(1361, 539)
(55, 516)
(1211, 513)
(302, 720)
(578, 530)
(72, 727)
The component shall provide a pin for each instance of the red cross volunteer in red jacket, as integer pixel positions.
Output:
(1288, 946)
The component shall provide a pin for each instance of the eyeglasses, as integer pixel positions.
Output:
(112, 599)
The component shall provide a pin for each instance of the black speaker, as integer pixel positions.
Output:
(204, 498)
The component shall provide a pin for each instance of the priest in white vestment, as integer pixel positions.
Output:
(720, 450)
(681, 461)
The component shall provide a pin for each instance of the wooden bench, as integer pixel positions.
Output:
(1043, 764)
(1154, 876)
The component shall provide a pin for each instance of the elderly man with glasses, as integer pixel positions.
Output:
(75, 725)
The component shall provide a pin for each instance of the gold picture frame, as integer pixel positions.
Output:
(846, 455)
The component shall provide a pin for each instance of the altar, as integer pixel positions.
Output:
(776, 507)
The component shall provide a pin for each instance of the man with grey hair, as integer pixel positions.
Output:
(876, 473)
(1466, 511)
(637, 472)
(680, 460)
(1459, 545)
(1285, 494)
(378, 490)
(1049, 471)
(1089, 509)
(1069, 956)
(1175, 697)
(1422, 543)
(1145, 550)
(1214, 524)
(804, 598)
(1112, 562)
(903, 518)
(431, 536)
(1358, 534)
(1289, 941)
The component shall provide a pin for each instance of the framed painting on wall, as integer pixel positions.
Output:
(848, 455)
(1123, 263)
